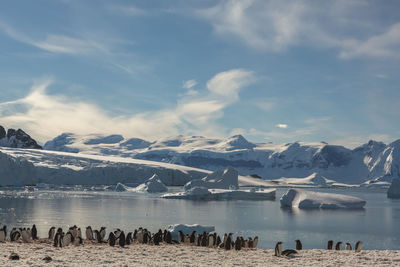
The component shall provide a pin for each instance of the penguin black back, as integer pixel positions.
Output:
(111, 239)
(330, 245)
(358, 246)
(299, 246)
(238, 243)
(338, 246)
(34, 232)
(168, 238)
(122, 239)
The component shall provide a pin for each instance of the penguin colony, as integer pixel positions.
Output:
(73, 236)
(299, 246)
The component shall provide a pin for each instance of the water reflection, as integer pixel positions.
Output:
(376, 225)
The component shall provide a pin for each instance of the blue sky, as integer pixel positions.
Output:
(274, 71)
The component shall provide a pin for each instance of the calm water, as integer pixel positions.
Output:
(378, 225)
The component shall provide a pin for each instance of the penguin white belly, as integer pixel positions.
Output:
(25, 236)
(2, 236)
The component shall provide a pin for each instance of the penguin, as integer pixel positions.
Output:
(168, 238)
(228, 243)
(15, 234)
(146, 236)
(224, 240)
(111, 239)
(330, 244)
(238, 244)
(338, 246)
(255, 242)
(89, 233)
(192, 237)
(140, 236)
(52, 232)
(198, 243)
(242, 242)
(181, 237)
(122, 239)
(278, 249)
(299, 246)
(34, 232)
(348, 246)
(58, 238)
(3, 234)
(215, 239)
(68, 239)
(28, 230)
(25, 236)
(74, 231)
(250, 242)
(358, 246)
(218, 241)
(187, 239)
(78, 241)
(117, 233)
(135, 234)
(79, 233)
(211, 241)
(98, 236)
(204, 239)
(128, 239)
(102, 233)
(289, 252)
(165, 235)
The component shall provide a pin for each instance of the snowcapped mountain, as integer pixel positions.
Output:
(16, 138)
(369, 163)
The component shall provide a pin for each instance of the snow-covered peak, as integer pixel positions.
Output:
(238, 142)
(17, 139)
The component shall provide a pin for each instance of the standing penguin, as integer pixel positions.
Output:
(192, 237)
(299, 246)
(278, 249)
(181, 237)
(3, 234)
(111, 239)
(238, 244)
(330, 245)
(218, 241)
(98, 236)
(211, 241)
(338, 246)
(102, 233)
(89, 233)
(348, 246)
(157, 238)
(250, 242)
(358, 246)
(204, 239)
(128, 239)
(25, 236)
(168, 238)
(34, 232)
(52, 232)
(228, 242)
(122, 239)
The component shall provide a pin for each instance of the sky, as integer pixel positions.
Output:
(273, 71)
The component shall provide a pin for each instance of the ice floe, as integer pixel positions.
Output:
(297, 198)
(222, 179)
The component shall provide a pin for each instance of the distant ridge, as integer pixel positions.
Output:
(367, 164)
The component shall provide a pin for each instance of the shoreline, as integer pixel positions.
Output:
(91, 253)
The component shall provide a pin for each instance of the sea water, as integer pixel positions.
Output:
(377, 225)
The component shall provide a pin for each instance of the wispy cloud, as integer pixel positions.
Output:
(54, 43)
(277, 25)
(128, 10)
(189, 84)
(45, 115)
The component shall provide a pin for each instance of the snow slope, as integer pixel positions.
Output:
(371, 162)
(31, 166)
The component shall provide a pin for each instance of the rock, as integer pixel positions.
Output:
(394, 189)
(14, 256)
(47, 259)
(17, 139)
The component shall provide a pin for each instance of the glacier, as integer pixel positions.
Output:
(372, 163)
(20, 167)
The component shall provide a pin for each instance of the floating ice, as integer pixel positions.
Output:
(188, 229)
(303, 199)
(222, 179)
(152, 185)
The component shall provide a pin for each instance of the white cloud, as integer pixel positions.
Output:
(127, 10)
(44, 115)
(281, 125)
(55, 43)
(277, 25)
(189, 84)
(383, 45)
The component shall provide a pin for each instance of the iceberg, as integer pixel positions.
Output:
(394, 189)
(222, 179)
(302, 199)
(152, 185)
(202, 193)
(188, 229)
